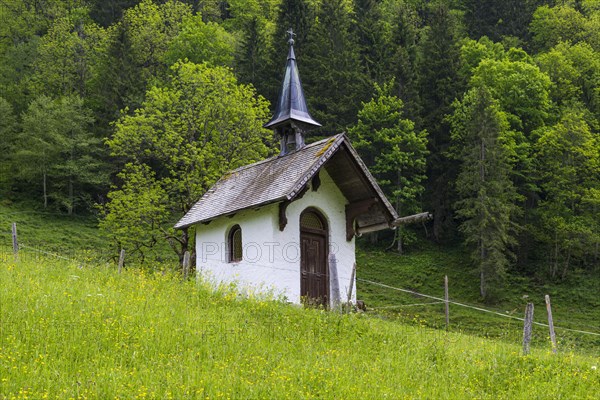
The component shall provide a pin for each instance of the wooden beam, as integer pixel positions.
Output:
(282, 217)
(284, 205)
(353, 210)
(373, 228)
(411, 219)
(316, 182)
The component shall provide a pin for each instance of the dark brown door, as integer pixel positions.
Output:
(314, 279)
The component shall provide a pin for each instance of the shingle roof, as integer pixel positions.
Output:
(276, 179)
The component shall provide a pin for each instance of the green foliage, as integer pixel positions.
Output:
(185, 136)
(487, 197)
(69, 57)
(253, 25)
(137, 213)
(392, 150)
(57, 151)
(401, 29)
(23, 19)
(253, 55)
(295, 14)
(472, 52)
(575, 74)
(520, 88)
(373, 39)
(538, 59)
(499, 19)
(438, 85)
(8, 127)
(552, 25)
(568, 165)
(151, 28)
(150, 335)
(335, 83)
(141, 45)
(201, 42)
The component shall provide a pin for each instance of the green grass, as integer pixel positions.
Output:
(575, 302)
(67, 332)
(43, 232)
(39, 229)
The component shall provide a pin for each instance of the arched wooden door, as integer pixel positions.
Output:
(314, 274)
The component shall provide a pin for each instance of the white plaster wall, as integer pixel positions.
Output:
(271, 258)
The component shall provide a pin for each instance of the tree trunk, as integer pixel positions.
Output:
(70, 204)
(482, 290)
(567, 263)
(399, 229)
(399, 242)
(45, 189)
(185, 241)
(555, 264)
(373, 237)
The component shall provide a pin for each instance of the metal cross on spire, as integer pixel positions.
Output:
(292, 34)
(291, 110)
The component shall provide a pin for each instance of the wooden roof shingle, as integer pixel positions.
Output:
(282, 177)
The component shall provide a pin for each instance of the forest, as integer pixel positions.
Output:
(482, 112)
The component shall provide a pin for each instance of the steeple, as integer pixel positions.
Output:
(291, 116)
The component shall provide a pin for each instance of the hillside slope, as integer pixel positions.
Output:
(575, 302)
(68, 332)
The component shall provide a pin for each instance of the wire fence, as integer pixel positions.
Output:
(27, 252)
(39, 253)
(460, 304)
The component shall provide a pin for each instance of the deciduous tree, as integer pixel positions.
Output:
(567, 157)
(393, 150)
(186, 135)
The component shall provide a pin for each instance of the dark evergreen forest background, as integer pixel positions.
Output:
(484, 112)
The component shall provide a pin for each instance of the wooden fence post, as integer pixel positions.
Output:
(352, 276)
(527, 324)
(335, 283)
(186, 264)
(121, 260)
(551, 324)
(447, 304)
(15, 242)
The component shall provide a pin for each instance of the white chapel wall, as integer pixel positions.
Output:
(271, 258)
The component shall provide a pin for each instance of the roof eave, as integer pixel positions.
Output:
(206, 220)
(371, 179)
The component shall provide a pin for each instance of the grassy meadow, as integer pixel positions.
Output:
(90, 333)
(575, 301)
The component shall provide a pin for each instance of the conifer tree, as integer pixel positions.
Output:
(334, 81)
(403, 57)
(8, 128)
(57, 152)
(486, 206)
(438, 84)
(296, 15)
(372, 39)
(252, 57)
(498, 19)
